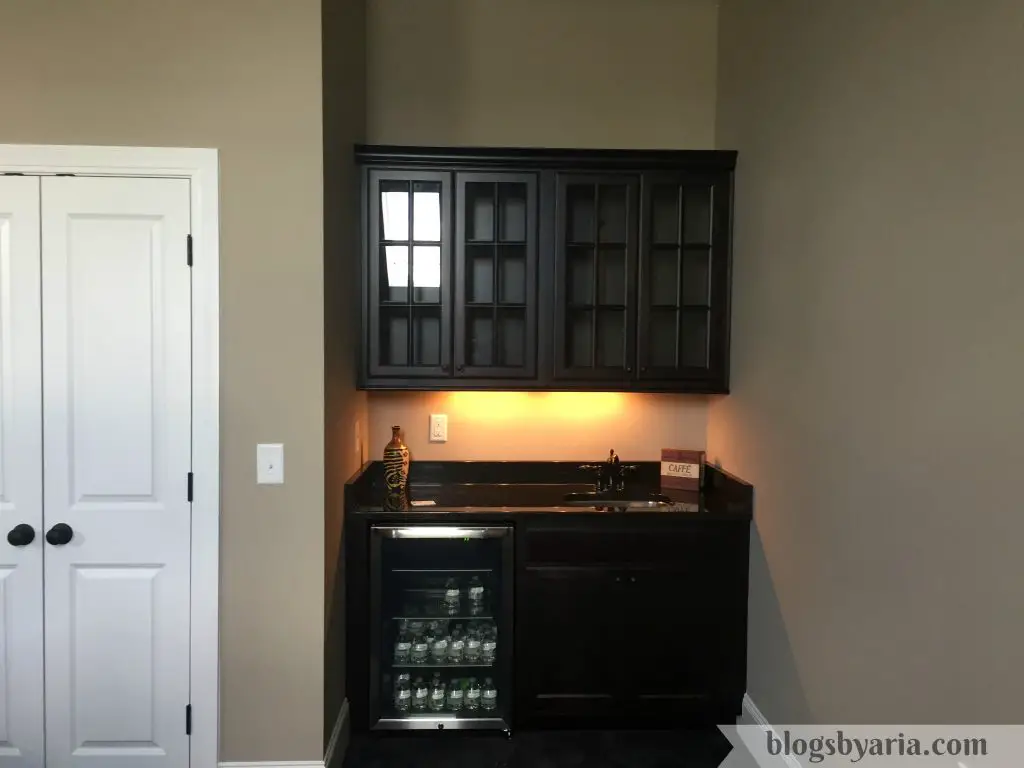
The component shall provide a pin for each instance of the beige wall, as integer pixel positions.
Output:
(572, 73)
(344, 75)
(877, 372)
(242, 76)
(540, 425)
(577, 73)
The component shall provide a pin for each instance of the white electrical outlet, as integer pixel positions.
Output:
(270, 463)
(439, 428)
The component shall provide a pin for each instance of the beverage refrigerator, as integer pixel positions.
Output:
(441, 602)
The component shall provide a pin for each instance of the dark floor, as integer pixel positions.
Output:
(704, 748)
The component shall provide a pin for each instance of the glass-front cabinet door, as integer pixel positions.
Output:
(409, 297)
(595, 276)
(683, 276)
(440, 627)
(496, 275)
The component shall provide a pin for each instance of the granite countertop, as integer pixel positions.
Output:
(536, 488)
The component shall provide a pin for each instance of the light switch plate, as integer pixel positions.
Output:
(439, 428)
(270, 463)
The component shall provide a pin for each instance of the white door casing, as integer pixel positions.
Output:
(21, 477)
(117, 452)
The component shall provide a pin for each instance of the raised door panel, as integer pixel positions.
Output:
(566, 642)
(408, 263)
(21, 479)
(117, 434)
(595, 277)
(496, 276)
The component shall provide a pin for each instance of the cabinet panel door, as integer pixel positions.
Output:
(684, 280)
(21, 477)
(408, 266)
(565, 641)
(694, 622)
(595, 277)
(496, 275)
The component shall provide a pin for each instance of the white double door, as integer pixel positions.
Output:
(95, 451)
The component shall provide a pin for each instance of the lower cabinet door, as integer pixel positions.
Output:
(689, 628)
(567, 642)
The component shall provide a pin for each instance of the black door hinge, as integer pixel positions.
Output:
(190, 478)
(188, 719)
(188, 249)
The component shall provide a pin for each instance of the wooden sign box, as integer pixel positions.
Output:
(681, 469)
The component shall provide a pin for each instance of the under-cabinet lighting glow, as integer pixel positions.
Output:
(556, 407)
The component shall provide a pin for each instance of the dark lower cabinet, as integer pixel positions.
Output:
(564, 669)
(546, 269)
(651, 630)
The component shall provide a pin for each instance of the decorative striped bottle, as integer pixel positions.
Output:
(396, 462)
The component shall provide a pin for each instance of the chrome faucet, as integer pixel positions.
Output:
(611, 473)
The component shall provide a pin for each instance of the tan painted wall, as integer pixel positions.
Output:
(579, 73)
(242, 76)
(877, 372)
(540, 425)
(344, 74)
(571, 73)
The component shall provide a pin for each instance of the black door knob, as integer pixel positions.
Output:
(21, 535)
(60, 534)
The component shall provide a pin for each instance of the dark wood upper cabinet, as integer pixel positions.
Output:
(496, 275)
(595, 259)
(408, 266)
(546, 269)
(684, 278)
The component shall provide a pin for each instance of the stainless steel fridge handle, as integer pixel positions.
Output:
(441, 532)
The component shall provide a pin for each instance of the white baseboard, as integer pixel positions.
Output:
(271, 764)
(753, 716)
(339, 736)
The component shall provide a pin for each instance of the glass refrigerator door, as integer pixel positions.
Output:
(441, 627)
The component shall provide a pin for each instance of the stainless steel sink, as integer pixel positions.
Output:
(617, 500)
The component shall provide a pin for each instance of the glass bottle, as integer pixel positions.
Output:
(439, 649)
(455, 696)
(473, 646)
(452, 597)
(489, 695)
(403, 647)
(489, 645)
(436, 703)
(403, 695)
(420, 692)
(457, 647)
(419, 650)
(476, 593)
(472, 695)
